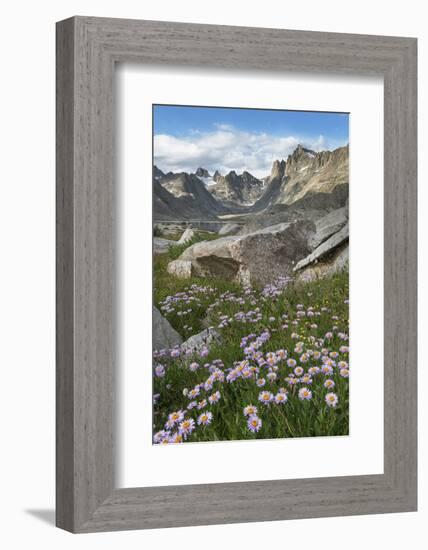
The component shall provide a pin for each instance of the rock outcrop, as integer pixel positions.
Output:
(229, 228)
(180, 268)
(328, 225)
(201, 340)
(164, 335)
(332, 263)
(186, 236)
(256, 258)
(302, 247)
(313, 207)
(325, 248)
(160, 245)
(331, 254)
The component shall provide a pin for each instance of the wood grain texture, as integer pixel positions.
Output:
(87, 49)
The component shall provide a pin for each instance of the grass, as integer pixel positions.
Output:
(297, 319)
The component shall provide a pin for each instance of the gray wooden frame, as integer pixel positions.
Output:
(87, 50)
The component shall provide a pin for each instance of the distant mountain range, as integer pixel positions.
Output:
(184, 196)
(237, 190)
(200, 195)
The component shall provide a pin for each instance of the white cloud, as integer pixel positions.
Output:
(226, 149)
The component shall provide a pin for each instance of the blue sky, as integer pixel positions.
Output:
(239, 139)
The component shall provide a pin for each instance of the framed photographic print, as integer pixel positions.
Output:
(236, 227)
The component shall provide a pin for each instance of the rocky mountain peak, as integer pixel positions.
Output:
(300, 160)
(202, 173)
(237, 189)
(157, 173)
(301, 152)
(278, 169)
(249, 180)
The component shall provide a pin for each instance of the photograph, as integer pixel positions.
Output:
(250, 274)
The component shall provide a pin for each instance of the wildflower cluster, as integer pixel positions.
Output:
(281, 368)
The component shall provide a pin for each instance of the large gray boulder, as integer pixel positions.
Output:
(180, 268)
(229, 228)
(161, 246)
(325, 248)
(328, 225)
(201, 340)
(164, 335)
(330, 256)
(259, 257)
(186, 236)
(336, 261)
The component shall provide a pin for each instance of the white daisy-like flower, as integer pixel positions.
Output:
(306, 379)
(254, 423)
(205, 418)
(186, 427)
(329, 384)
(305, 393)
(326, 369)
(291, 380)
(250, 410)
(331, 399)
(281, 354)
(281, 398)
(313, 370)
(193, 393)
(265, 397)
(208, 384)
(175, 417)
(214, 398)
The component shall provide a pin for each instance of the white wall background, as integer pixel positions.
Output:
(27, 270)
